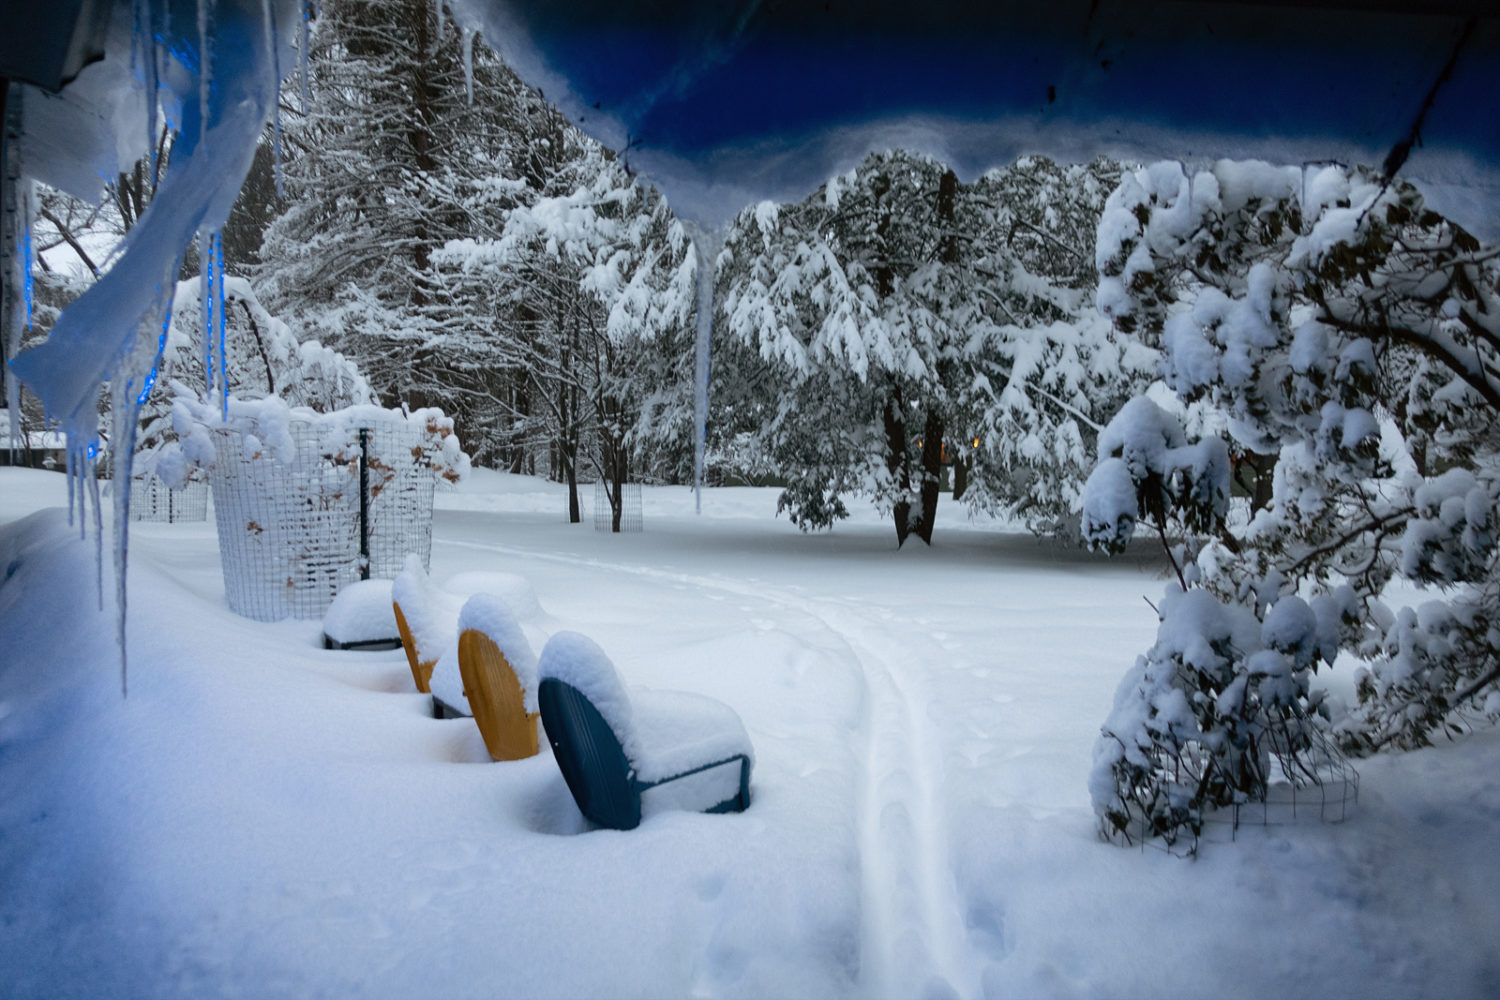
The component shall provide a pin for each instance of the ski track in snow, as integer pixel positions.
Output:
(914, 936)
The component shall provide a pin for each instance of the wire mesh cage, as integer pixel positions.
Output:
(306, 504)
(152, 500)
(288, 524)
(1309, 779)
(631, 517)
(397, 490)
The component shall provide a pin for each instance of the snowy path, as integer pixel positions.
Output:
(913, 941)
(914, 931)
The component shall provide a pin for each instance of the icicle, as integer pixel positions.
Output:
(302, 55)
(206, 60)
(437, 8)
(143, 58)
(69, 471)
(130, 388)
(468, 44)
(205, 297)
(273, 42)
(706, 247)
(99, 336)
(28, 281)
(15, 255)
(93, 481)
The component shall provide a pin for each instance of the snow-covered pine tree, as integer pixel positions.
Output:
(1349, 338)
(382, 167)
(600, 280)
(897, 320)
(402, 182)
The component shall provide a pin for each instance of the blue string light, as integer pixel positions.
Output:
(219, 302)
(161, 345)
(30, 279)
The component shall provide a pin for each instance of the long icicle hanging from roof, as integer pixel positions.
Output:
(219, 90)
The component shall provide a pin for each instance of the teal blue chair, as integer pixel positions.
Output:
(676, 749)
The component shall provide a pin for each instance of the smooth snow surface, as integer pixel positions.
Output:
(264, 818)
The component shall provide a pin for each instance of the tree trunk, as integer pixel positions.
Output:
(517, 444)
(896, 462)
(616, 501)
(960, 477)
(570, 464)
(932, 474)
(567, 447)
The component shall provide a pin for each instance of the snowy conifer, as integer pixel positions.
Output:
(898, 320)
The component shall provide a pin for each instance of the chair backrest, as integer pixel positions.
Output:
(590, 756)
(415, 605)
(496, 697)
(421, 670)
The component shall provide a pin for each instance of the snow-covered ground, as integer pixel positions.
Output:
(264, 818)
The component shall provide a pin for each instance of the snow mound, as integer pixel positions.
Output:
(514, 590)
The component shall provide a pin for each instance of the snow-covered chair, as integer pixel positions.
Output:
(499, 677)
(360, 617)
(615, 749)
(420, 620)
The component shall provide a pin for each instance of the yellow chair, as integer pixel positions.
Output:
(498, 669)
(421, 669)
(424, 620)
(496, 698)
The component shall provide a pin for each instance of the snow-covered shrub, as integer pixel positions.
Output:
(1348, 340)
(262, 357)
(1215, 709)
(306, 502)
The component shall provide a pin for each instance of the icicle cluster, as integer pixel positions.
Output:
(217, 71)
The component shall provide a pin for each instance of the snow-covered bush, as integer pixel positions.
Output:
(306, 503)
(1216, 709)
(262, 357)
(1347, 339)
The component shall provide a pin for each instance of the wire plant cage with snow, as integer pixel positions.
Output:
(153, 500)
(308, 503)
(631, 515)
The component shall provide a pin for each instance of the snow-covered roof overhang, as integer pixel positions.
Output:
(727, 103)
(46, 44)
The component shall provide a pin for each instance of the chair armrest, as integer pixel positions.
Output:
(741, 799)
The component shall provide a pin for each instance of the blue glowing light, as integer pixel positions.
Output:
(161, 345)
(219, 302)
(30, 280)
